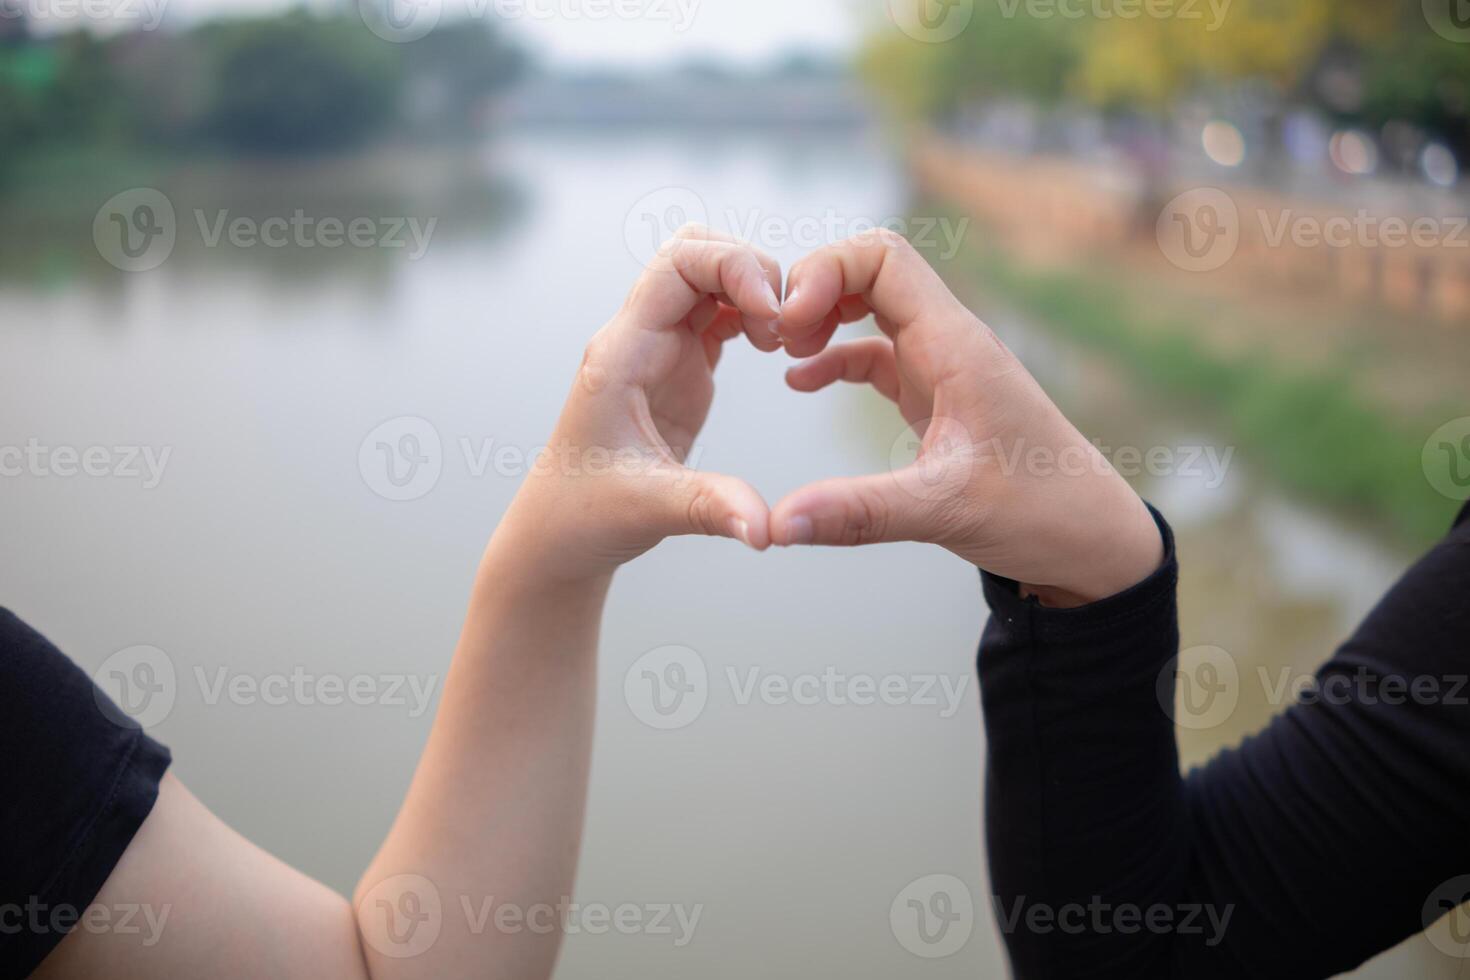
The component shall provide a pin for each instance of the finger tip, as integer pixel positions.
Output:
(797, 529)
(790, 527)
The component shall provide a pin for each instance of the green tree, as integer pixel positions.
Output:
(298, 83)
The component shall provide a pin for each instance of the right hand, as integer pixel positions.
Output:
(1003, 479)
(613, 482)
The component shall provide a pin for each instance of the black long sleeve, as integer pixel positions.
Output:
(1308, 849)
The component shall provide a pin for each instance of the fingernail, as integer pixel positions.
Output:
(741, 531)
(799, 530)
(772, 302)
(791, 296)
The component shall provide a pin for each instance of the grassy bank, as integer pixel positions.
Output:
(1311, 429)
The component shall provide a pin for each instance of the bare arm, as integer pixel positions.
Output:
(496, 806)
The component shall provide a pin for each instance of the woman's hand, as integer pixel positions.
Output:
(613, 481)
(1003, 479)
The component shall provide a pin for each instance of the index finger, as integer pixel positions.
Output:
(687, 270)
(881, 267)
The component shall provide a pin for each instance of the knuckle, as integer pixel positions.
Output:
(701, 510)
(593, 374)
(866, 520)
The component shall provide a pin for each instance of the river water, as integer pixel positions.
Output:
(262, 543)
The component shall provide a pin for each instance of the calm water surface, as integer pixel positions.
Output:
(265, 551)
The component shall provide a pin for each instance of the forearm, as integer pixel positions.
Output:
(1084, 803)
(494, 816)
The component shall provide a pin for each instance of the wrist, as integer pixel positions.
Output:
(545, 539)
(1117, 546)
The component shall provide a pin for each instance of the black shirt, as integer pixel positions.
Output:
(1330, 836)
(77, 779)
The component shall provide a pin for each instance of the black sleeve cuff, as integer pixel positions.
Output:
(1075, 625)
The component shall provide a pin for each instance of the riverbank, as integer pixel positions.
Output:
(1310, 421)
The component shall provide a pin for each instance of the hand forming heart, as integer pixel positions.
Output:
(1072, 530)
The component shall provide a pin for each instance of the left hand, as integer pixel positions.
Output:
(613, 482)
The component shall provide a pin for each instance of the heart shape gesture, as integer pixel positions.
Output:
(1002, 478)
(1073, 531)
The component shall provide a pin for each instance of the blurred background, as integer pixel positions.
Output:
(279, 284)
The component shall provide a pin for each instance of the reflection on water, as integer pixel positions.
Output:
(263, 549)
(354, 217)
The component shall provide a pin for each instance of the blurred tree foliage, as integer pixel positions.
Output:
(296, 83)
(286, 84)
(1399, 68)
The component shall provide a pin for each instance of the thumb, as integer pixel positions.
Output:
(896, 506)
(718, 505)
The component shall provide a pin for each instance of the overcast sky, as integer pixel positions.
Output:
(740, 30)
